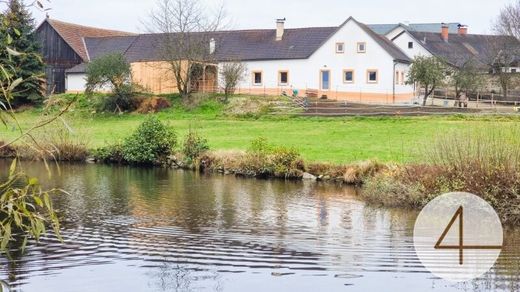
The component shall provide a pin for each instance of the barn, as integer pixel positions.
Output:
(63, 47)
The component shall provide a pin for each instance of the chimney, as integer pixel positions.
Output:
(280, 28)
(463, 29)
(212, 46)
(445, 32)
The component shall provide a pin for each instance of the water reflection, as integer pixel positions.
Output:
(129, 229)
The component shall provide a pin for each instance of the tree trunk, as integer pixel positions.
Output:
(425, 95)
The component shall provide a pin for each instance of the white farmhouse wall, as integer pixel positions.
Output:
(75, 82)
(305, 74)
(417, 50)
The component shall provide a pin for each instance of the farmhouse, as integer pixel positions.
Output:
(353, 61)
(455, 48)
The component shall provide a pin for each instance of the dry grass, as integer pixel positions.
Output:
(484, 161)
(58, 144)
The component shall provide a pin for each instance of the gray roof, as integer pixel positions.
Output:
(388, 45)
(80, 68)
(461, 48)
(97, 47)
(245, 45)
(384, 29)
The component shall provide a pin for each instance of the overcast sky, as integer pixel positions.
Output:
(128, 14)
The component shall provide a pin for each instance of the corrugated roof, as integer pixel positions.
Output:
(461, 48)
(73, 34)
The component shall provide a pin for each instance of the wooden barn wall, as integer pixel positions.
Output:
(58, 57)
(157, 78)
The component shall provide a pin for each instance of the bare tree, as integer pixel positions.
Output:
(231, 73)
(467, 78)
(503, 53)
(508, 21)
(188, 40)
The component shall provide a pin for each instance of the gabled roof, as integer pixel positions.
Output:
(73, 34)
(245, 45)
(461, 48)
(384, 29)
(386, 44)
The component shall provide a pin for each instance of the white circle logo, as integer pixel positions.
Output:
(458, 237)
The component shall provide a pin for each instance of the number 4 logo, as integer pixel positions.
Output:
(460, 247)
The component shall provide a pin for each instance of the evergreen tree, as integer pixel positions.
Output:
(17, 33)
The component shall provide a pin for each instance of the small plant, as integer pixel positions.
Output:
(109, 154)
(266, 160)
(150, 144)
(27, 208)
(194, 146)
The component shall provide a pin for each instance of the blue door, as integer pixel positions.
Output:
(325, 80)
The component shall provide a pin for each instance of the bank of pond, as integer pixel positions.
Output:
(483, 161)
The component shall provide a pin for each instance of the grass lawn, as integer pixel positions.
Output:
(338, 140)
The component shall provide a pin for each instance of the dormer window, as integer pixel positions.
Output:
(362, 47)
(340, 48)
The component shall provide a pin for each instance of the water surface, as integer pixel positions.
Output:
(131, 229)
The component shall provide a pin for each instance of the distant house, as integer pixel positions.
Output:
(391, 30)
(455, 48)
(63, 48)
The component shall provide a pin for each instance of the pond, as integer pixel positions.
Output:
(134, 229)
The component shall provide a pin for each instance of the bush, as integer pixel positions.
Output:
(109, 154)
(194, 146)
(152, 143)
(266, 160)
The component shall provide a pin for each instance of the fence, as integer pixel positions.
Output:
(480, 100)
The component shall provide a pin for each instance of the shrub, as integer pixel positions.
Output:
(151, 143)
(266, 160)
(109, 154)
(194, 146)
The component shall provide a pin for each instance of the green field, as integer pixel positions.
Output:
(338, 140)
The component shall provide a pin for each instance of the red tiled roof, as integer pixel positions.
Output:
(73, 35)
